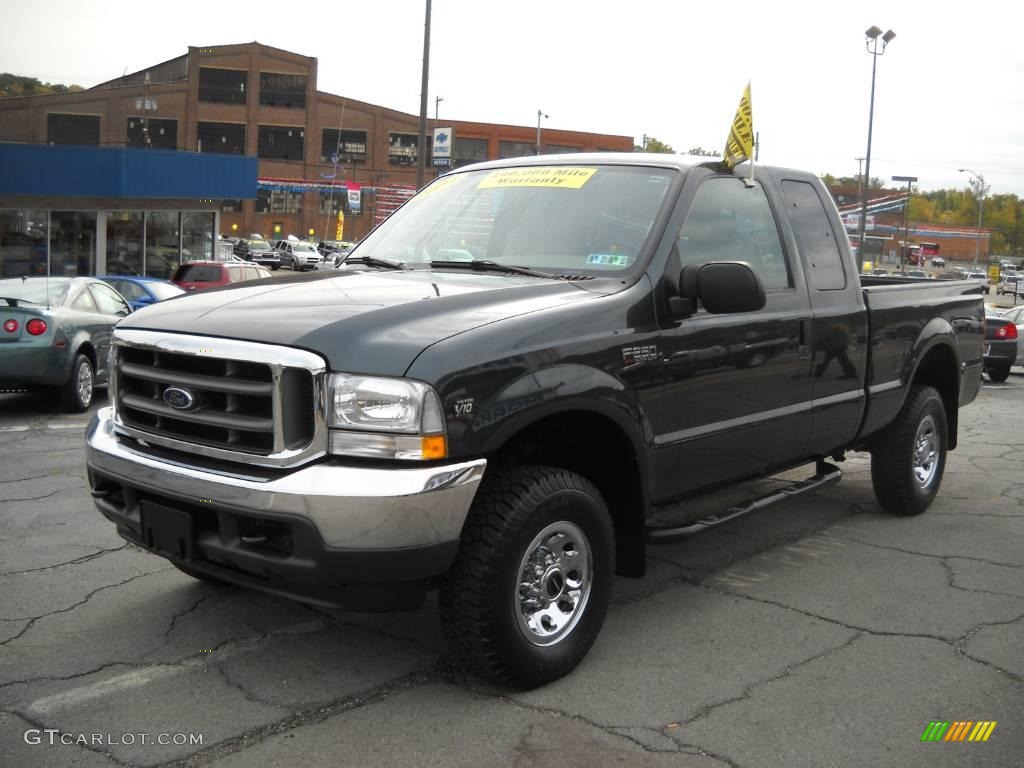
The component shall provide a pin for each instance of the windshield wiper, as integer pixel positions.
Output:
(486, 265)
(371, 261)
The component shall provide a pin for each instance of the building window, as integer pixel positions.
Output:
(124, 243)
(402, 148)
(163, 244)
(222, 138)
(350, 146)
(282, 90)
(230, 206)
(73, 129)
(222, 86)
(197, 236)
(278, 201)
(163, 133)
(558, 149)
(466, 151)
(515, 149)
(72, 243)
(279, 142)
(22, 243)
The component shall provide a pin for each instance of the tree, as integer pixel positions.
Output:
(651, 144)
(698, 150)
(21, 85)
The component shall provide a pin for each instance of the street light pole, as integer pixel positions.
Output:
(906, 219)
(437, 107)
(421, 153)
(871, 43)
(982, 191)
(540, 114)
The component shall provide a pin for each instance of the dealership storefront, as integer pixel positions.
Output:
(84, 211)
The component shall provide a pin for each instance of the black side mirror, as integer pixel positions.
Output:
(723, 287)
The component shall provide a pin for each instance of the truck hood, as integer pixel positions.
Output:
(361, 322)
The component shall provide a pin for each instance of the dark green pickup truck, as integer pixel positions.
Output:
(509, 378)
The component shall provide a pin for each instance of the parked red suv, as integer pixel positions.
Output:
(197, 275)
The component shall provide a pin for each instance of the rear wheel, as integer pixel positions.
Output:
(529, 589)
(908, 459)
(76, 395)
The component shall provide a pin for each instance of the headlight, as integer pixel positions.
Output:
(385, 418)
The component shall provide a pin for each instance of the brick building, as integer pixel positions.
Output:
(314, 148)
(885, 228)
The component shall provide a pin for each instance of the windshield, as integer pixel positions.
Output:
(561, 219)
(259, 245)
(35, 289)
(303, 248)
(199, 273)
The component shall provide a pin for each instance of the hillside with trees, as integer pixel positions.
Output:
(20, 85)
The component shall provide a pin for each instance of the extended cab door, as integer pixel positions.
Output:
(735, 389)
(839, 335)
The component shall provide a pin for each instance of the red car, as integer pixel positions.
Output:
(197, 275)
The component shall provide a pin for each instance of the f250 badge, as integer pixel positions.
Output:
(463, 407)
(641, 354)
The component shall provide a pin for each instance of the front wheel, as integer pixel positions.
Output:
(908, 459)
(529, 589)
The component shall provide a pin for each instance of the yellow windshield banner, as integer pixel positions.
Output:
(565, 177)
(740, 144)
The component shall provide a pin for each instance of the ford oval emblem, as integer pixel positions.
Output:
(178, 398)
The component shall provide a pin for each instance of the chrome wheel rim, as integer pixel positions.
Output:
(926, 452)
(83, 383)
(555, 577)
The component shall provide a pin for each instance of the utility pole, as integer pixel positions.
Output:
(437, 104)
(860, 177)
(421, 154)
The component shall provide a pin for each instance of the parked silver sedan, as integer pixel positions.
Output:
(56, 333)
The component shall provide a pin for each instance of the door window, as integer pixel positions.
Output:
(729, 221)
(814, 236)
(84, 302)
(107, 300)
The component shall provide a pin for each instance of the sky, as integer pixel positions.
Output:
(949, 88)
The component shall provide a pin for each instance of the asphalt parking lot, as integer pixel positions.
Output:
(821, 633)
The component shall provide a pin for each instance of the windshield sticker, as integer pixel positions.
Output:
(608, 259)
(545, 176)
(438, 185)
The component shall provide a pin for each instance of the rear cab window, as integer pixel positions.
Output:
(199, 273)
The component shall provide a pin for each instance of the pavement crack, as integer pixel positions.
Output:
(960, 646)
(37, 498)
(951, 581)
(249, 695)
(928, 554)
(75, 676)
(76, 561)
(308, 715)
(182, 614)
(33, 619)
(788, 670)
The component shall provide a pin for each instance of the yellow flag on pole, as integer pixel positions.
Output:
(341, 226)
(740, 144)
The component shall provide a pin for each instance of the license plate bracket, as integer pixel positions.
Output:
(168, 531)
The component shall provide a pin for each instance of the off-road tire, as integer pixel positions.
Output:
(905, 483)
(479, 600)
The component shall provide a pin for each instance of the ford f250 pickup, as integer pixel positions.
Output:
(510, 378)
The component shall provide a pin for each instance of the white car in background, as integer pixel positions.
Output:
(980, 278)
(1016, 316)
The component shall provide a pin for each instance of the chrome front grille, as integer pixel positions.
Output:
(222, 398)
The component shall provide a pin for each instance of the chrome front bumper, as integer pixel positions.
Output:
(352, 507)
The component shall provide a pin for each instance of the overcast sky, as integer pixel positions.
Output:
(950, 87)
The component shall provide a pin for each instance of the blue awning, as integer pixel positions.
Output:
(72, 171)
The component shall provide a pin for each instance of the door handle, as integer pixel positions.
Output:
(804, 337)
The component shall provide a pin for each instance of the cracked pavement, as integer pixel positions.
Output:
(821, 632)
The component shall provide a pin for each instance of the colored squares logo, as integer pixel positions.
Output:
(958, 730)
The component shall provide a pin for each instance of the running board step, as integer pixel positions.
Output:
(826, 474)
